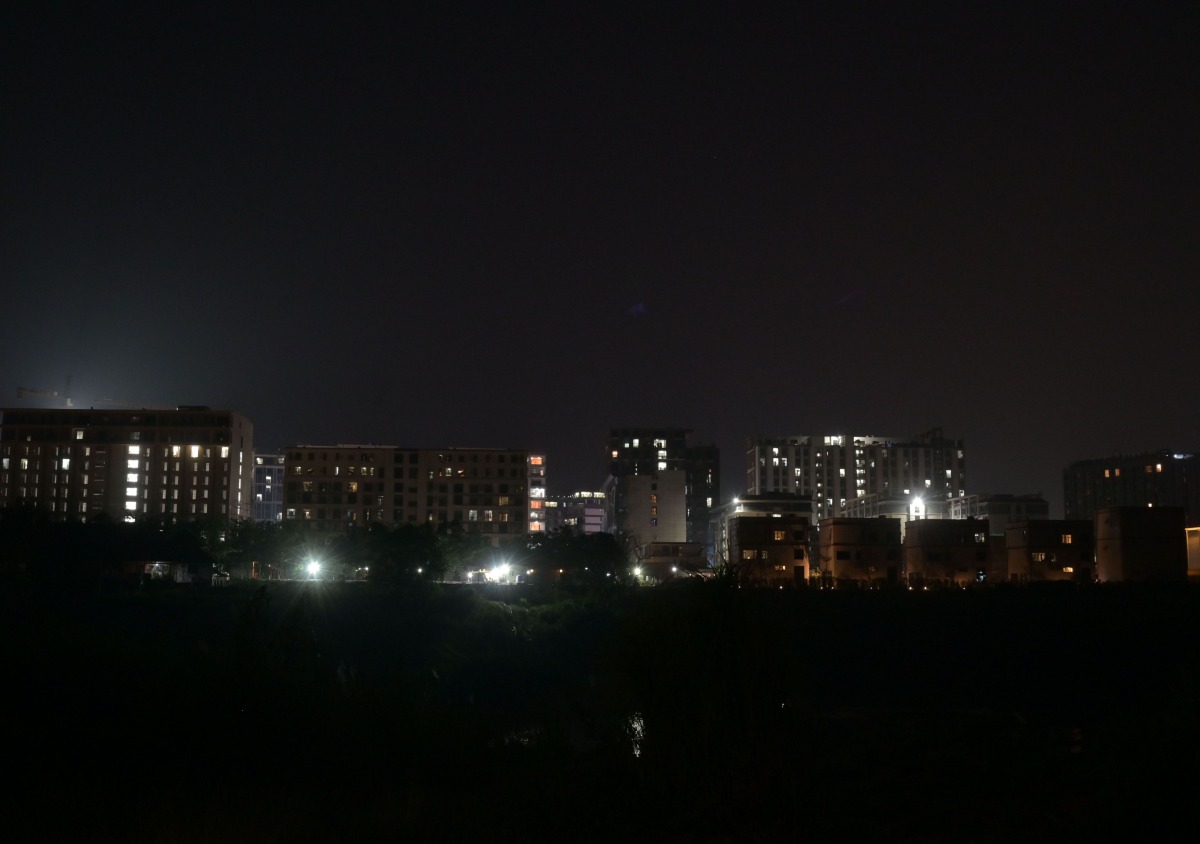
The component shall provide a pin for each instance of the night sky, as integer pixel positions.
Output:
(497, 225)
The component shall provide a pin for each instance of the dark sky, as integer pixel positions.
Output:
(455, 224)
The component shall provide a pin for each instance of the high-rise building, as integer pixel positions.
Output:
(1150, 479)
(179, 465)
(661, 486)
(836, 469)
(334, 487)
(268, 487)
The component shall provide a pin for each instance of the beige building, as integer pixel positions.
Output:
(860, 552)
(333, 487)
(180, 465)
(654, 507)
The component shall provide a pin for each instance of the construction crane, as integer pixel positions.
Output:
(28, 392)
(127, 405)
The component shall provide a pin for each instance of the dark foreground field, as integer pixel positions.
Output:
(297, 712)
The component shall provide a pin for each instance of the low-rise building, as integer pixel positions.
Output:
(950, 552)
(860, 552)
(766, 538)
(1050, 550)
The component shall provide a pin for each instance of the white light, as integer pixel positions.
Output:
(313, 567)
(420, 570)
(637, 571)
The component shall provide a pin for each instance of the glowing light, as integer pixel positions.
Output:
(313, 568)
(637, 571)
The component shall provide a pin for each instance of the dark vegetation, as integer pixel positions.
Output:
(586, 710)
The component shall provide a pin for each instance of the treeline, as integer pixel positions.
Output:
(38, 548)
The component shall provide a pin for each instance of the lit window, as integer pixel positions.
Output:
(131, 464)
(195, 451)
(662, 464)
(175, 451)
(535, 460)
(224, 451)
(135, 449)
(131, 505)
(131, 478)
(1066, 539)
(779, 536)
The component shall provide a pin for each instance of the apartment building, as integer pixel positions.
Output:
(336, 487)
(1149, 479)
(184, 464)
(835, 469)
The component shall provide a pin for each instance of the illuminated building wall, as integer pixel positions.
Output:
(332, 488)
(766, 537)
(655, 507)
(179, 465)
(836, 469)
(537, 493)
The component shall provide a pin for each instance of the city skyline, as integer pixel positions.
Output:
(484, 227)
